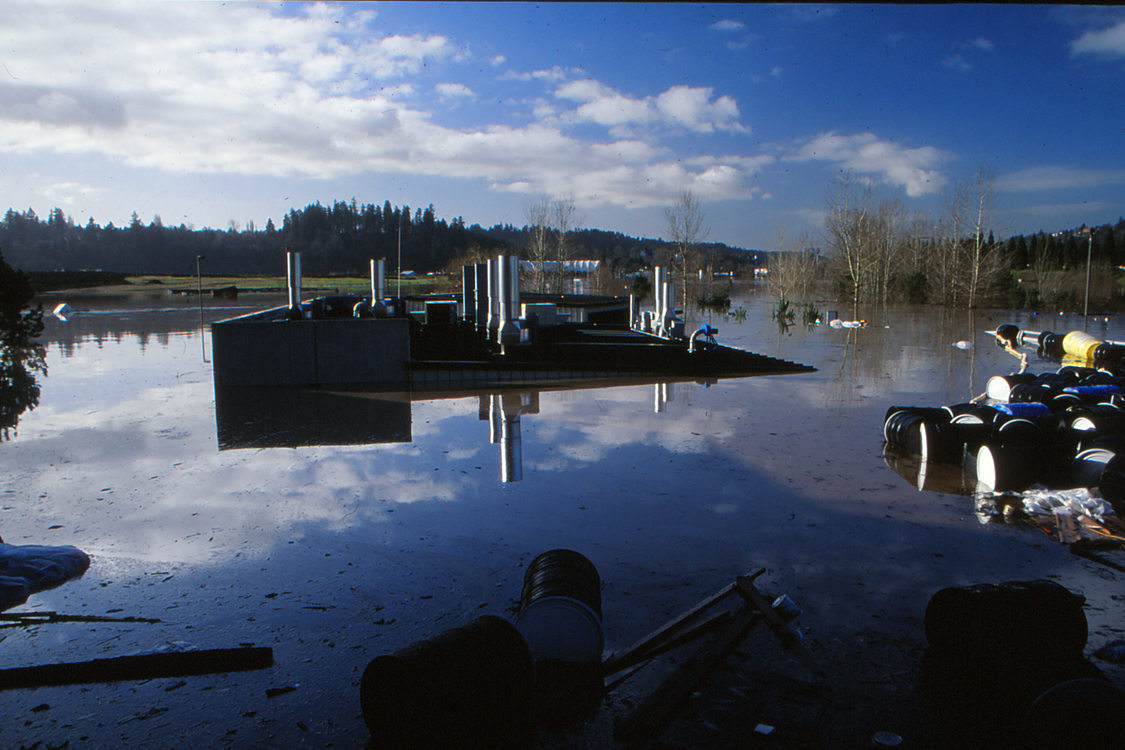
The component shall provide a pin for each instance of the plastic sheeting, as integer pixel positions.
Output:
(27, 569)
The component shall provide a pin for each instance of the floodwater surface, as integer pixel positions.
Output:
(391, 517)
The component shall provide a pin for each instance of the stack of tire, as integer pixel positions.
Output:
(1065, 428)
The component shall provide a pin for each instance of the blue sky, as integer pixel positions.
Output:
(207, 113)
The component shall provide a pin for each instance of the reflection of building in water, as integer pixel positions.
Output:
(502, 411)
(291, 417)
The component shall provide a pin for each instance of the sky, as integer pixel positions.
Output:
(210, 113)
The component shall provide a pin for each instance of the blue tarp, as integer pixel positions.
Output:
(27, 569)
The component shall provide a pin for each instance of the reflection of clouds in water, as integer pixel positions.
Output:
(133, 470)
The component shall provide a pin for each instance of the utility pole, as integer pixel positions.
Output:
(1089, 252)
(199, 294)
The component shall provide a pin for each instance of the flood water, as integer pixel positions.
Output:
(390, 518)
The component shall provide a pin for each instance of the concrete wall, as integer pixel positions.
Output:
(250, 351)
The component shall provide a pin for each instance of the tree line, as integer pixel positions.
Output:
(880, 251)
(336, 239)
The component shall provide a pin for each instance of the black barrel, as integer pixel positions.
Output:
(1087, 713)
(949, 441)
(1038, 391)
(562, 572)
(469, 687)
(973, 621)
(560, 619)
(1050, 344)
(1112, 484)
(999, 387)
(1084, 394)
(1103, 419)
(561, 608)
(902, 425)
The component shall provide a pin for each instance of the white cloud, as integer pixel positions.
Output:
(247, 89)
(912, 169)
(497, 60)
(680, 106)
(555, 73)
(67, 193)
(1054, 178)
(982, 44)
(454, 91)
(1109, 42)
(957, 62)
(728, 25)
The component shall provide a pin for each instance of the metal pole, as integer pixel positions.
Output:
(199, 294)
(1086, 303)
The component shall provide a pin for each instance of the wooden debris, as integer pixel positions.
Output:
(650, 717)
(779, 626)
(653, 649)
(140, 667)
(618, 662)
(12, 619)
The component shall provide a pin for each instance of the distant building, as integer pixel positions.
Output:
(576, 267)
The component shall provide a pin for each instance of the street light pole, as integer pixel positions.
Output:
(199, 294)
(1089, 252)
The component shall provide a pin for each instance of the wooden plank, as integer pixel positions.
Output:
(636, 656)
(140, 667)
(651, 716)
(612, 664)
(788, 638)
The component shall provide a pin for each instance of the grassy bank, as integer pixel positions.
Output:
(310, 285)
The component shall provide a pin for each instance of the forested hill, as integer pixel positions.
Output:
(336, 239)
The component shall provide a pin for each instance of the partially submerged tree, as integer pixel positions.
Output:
(686, 230)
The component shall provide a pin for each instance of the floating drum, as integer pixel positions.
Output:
(1084, 394)
(1001, 468)
(470, 687)
(1039, 391)
(561, 608)
(1101, 418)
(1112, 485)
(1089, 465)
(948, 442)
(999, 387)
(902, 425)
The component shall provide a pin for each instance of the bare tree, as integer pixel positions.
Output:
(563, 222)
(969, 209)
(685, 231)
(538, 216)
(849, 226)
(792, 274)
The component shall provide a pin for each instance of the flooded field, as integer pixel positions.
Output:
(356, 537)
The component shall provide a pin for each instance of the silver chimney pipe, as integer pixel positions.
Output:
(514, 288)
(480, 297)
(508, 331)
(293, 278)
(378, 286)
(493, 296)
